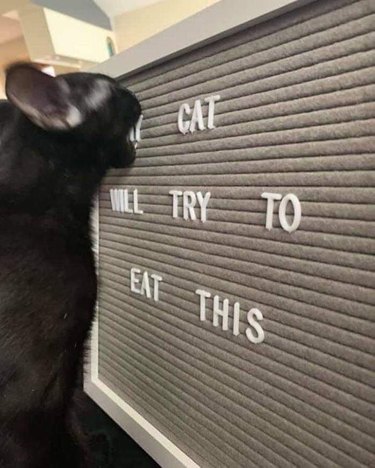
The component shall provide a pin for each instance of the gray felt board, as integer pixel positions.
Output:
(295, 115)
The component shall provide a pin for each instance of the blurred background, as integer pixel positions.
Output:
(71, 35)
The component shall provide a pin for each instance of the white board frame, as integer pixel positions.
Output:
(219, 20)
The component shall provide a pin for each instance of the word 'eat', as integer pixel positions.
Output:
(140, 283)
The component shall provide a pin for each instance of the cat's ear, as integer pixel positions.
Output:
(42, 98)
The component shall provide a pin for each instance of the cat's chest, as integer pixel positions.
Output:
(47, 285)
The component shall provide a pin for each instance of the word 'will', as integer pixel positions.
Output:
(124, 202)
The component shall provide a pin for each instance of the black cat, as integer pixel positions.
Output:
(58, 137)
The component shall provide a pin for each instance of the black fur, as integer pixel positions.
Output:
(48, 177)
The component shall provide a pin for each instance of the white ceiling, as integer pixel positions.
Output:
(116, 7)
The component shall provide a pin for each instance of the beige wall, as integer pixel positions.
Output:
(137, 25)
(77, 39)
(10, 5)
(50, 34)
(11, 51)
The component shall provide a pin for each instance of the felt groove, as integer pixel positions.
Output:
(300, 68)
(336, 241)
(360, 30)
(240, 419)
(194, 362)
(359, 127)
(288, 316)
(325, 194)
(339, 86)
(315, 24)
(279, 116)
(338, 92)
(233, 429)
(327, 405)
(300, 137)
(288, 398)
(354, 227)
(356, 363)
(260, 146)
(337, 244)
(133, 376)
(272, 245)
(351, 178)
(294, 152)
(307, 163)
(348, 224)
(272, 256)
(356, 211)
(183, 348)
(337, 274)
(327, 78)
(354, 366)
(256, 270)
(360, 322)
(226, 435)
(332, 377)
(314, 327)
(131, 392)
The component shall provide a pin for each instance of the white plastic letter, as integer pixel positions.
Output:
(122, 200)
(134, 280)
(135, 203)
(211, 110)
(197, 117)
(112, 195)
(145, 287)
(156, 279)
(297, 212)
(189, 201)
(135, 132)
(182, 125)
(236, 319)
(115, 199)
(138, 128)
(271, 197)
(253, 323)
(224, 313)
(125, 196)
(175, 194)
(203, 296)
(203, 202)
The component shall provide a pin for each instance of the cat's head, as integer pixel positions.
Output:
(88, 106)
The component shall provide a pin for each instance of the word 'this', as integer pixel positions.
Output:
(220, 313)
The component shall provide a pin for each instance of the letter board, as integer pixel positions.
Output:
(235, 257)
